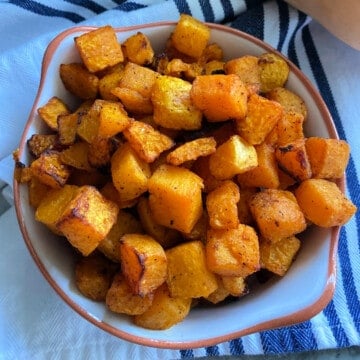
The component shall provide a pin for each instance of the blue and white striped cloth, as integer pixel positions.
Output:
(38, 325)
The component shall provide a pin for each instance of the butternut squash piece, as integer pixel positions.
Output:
(99, 49)
(137, 49)
(323, 203)
(173, 107)
(191, 150)
(328, 157)
(120, 298)
(143, 263)
(233, 252)
(79, 81)
(247, 69)
(165, 310)
(265, 174)
(277, 257)
(292, 158)
(221, 205)
(51, 110)
(87, 219)
(50, 170)
(175, 197)
(147, 142)
(235, 156)
(277, 214)
(188, 275)
(130, 174)
(190, 36)
(93, 276)
(220, 97)
(261, 117)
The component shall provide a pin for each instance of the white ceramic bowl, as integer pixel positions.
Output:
(303, 292)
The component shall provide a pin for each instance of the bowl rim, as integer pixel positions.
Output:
(301, 315)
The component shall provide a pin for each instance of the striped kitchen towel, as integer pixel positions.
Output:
(30, 325)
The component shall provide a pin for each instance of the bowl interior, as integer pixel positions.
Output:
(294, 298)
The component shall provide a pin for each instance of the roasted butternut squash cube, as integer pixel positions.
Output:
(39, 143)
(290, 101)
(277, 214)
(277, 257)
(113, 119)
(290, 128)
(50, 170)
(175, 197)
(51, 110)
(165, 236)
(323, 203)
(165, 310)
(220, 294)
(274, 71)
(233, 252)
(247, 69)
(53, 204)
(235, 285)
(126, 223)
(220, 97)
(130, 174)
(328, 157)
(67, 128)
(76, 155)
(133, 101)
(221, 206)
(99, 49)
(37, 191)
(100, 152)
(173, 108)
(87, 219)
(191, 150)
(93, 276)
(235, 156)
(120, 298)
(137, 49)
(79, 81)
(143, 263)
(261, 117)
(147, 142)
(188, 275)
(136, 79)
(109, 82)
(190, 36)
(266, 173)
(292, 158)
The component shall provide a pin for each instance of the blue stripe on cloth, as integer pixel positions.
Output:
(228, 10)
(283, 23)
(352, 298)
(335, 325)
(292, 51)
(291, 339)
(236, 347)
(128, 5)
(187, 354)
(45, 10)
(207, 10)
(212, 351)
(251, 21)
(88, 4)
(183, 6)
